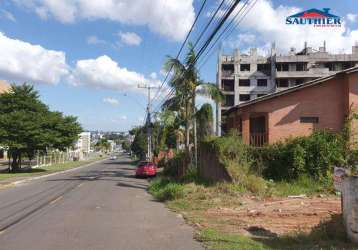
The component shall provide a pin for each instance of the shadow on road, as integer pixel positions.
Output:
(123, 176)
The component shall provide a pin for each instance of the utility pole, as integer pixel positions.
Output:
(149, 120)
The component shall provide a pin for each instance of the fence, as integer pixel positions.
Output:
(55, 158)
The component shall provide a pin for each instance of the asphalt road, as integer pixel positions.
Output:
(97, 207)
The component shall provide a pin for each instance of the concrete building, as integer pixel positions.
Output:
(323, 103)
(83, 144)
(244, 77)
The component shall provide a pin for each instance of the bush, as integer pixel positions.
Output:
(313, 156)
(164, 189)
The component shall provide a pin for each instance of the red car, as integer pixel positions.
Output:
(146, 169)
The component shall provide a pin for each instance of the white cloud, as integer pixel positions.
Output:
(153, 75)
(352, 17)
(7, 15)
(130, 38)
(271, 26)
(123, 117)
(103, 72)
(171, 18)
(94, 40)
(21, 61)
(111, 101)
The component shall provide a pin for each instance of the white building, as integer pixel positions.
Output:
(83, 144)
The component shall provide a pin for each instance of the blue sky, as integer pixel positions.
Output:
(87, 57)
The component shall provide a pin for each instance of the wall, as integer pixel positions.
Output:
(326, 101)
(350, 207)
(210, 167)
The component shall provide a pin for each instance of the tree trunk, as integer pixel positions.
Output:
(195, 131)
(15, 161)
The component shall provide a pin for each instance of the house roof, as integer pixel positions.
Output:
(315, 82)
(314, 13)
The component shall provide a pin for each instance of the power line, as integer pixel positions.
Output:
(181, 48)
(208, 41)
(232, 28)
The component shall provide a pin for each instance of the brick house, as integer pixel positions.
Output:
(319, 104)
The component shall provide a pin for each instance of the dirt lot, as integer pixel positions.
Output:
(273, 217)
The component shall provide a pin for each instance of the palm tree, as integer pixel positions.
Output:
(187, 84)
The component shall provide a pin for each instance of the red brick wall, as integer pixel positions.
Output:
(328, 101)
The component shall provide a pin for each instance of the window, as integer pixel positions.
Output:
(263, 67)
(282, 66)
(282, 83)
(244, 98)
(262, 82)
(244, 82)
(301, 66)
(228, 85)
(229, 100)
(309, 119)
(244, 67)
(227, 69)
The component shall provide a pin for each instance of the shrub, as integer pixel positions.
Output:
(164, 189)
(313, 156)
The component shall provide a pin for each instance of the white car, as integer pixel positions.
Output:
(113, 157)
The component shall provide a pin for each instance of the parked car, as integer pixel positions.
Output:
(113, 157)
(146, 169)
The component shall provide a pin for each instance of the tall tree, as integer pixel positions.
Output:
(187, 84)
(204, 117)
(27, 125)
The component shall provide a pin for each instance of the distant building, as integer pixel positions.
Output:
(83, 144)
(245, 77)
(323, 103)
(4, 86)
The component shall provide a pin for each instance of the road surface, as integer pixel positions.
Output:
(97, 207)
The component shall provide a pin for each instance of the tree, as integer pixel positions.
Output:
(204, 118)
(27, 125)
(187, 84)
(139, 144)
(103, 145)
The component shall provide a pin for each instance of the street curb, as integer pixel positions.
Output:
(16, 183)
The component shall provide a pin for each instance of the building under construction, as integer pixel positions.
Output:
(244, 77)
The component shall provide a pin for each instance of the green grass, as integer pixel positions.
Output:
(304, 185)
(44, 170)
(216, 240)
(323, 237)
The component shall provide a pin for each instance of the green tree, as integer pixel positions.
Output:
(139, 144)
(204, 117)
(27, 125)
(103, 145)
(187, 84)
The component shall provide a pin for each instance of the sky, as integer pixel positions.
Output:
(86, 58)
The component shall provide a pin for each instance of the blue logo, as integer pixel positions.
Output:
(315, 17)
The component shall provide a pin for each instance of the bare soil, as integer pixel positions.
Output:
(274, 216)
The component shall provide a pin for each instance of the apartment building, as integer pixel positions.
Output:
(244, 77)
